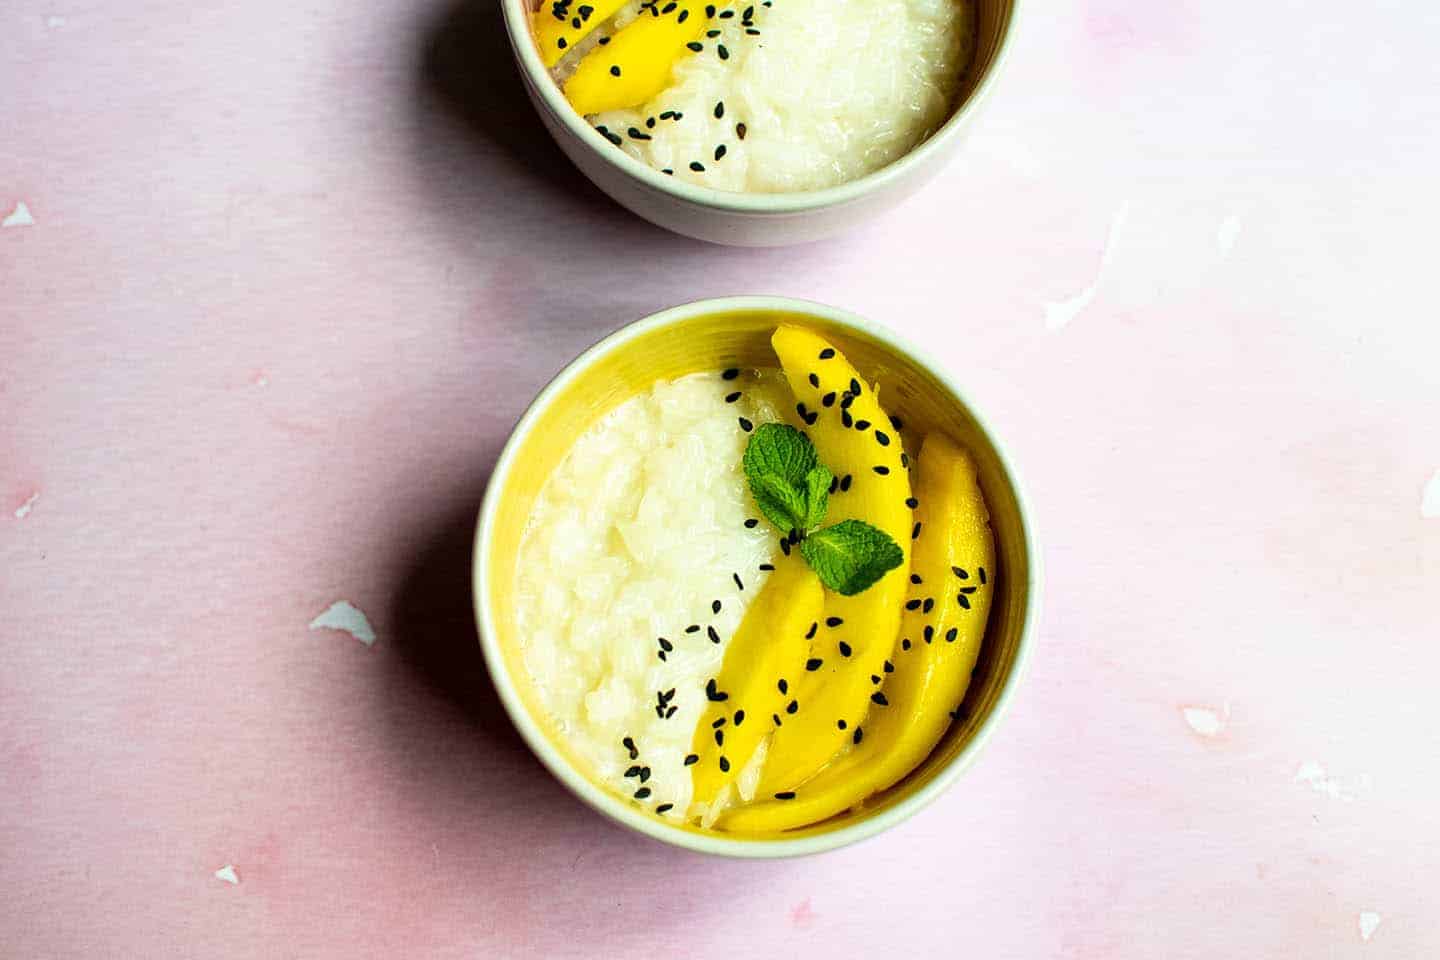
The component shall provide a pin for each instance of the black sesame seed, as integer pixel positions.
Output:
(929, 605)
(602, 41)
(714, 606)
(767, 566)
(668, 172)
(810, 419)
(905, 460)
(712, 634)
(951, 634)
(693, 628)
(695, 45)
(749, 14)
(840, 724)
(905, 644)
(719, 109)
(713, 694)
(862, 425)
(776, 718)
(637, 134)
(614, 71)
(739, 584)
(963, 600)
(666, 807)
(720, 49)
(846, 420)
(691, 759)
(697, 166)
(929, 633)
(649, 123)
(719, 738)
(629, 744)
(882, 470)
(632, 772)
(844, 649)
(740, 130)
(576, 23)
(783, 686)
(845, 483)
(726, 14)
(846, 401)
(724, 765)
(915, 579)
(827, 353)
(739, 717)
(968, 589)
(752, 32)
(874, 678)
(720, 152)
(668, 8)
(560, 43)
(912, 604)
(834, 484)
(859, 735)
(812, 665)
(915, 531)
(642, 793)
(785, 795)
(712, 34)
(666, 645)
(814, 382)
(833, 621)
(889, 667)
(661, 655)
(855, 386)
(785, 547)
(911, 502)
(882, 438)
(792, 706)
(644, 774)
(982, 575)
(810, 634)
(878, 699)
(719, 722)
(746, 425)
(961, 573)
(684, 15)
(732, 397)
(710, 10)
(828, 400)
(751, 523)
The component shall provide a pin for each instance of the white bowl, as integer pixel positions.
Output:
(754, 219)
(709, 335)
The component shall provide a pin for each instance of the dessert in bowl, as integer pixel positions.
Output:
(753, 579)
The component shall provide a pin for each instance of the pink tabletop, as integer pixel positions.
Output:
(276, 278)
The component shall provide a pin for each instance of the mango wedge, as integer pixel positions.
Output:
(763, 659)
(561, 24)
(635, 65)
(855, 439)
(954, 558)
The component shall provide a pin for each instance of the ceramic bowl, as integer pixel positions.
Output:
(755, 219)
(712, 335)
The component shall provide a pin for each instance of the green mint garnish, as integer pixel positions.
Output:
(792, 489)
(850, 556)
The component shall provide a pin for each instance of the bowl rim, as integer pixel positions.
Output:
(615, 807)
(522, 43)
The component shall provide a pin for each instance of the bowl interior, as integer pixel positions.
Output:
(992, 27)
(631, 362)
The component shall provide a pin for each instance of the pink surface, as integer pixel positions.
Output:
(293, 271)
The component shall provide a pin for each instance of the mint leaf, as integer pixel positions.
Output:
(779, 461)
(817, 495)
(778, 449)
(851, 555)
(782, 504)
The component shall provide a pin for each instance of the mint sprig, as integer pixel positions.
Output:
(791, 488)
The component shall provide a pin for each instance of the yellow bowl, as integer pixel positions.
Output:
(713, 335)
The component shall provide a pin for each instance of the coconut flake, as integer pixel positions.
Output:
(20, 217)
(345, 616)
(228, 874)
(1368, 922)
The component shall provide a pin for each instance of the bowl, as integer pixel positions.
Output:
(755, 219)
(713, 335)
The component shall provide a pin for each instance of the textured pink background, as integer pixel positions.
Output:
(296, 267)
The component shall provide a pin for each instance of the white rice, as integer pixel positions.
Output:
(829, 91)
(633, 536)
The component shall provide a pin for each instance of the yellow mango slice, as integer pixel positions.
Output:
(942, 629)
(855, 439)
(561, 24)
(635, 65)
(761, 662)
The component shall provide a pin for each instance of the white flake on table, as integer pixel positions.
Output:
(1314, 774)
(54, 23)
(1226, 235)
(23, 511)
(19, 217)
(228, 874)
(1430, 500)
(1059, 314)
(1368, 922)
(1206, 721)
(345, 616)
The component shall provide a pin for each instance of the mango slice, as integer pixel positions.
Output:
(763, 659)
(561, 24)
(942, 629)
(635, 65)
(855, 439)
